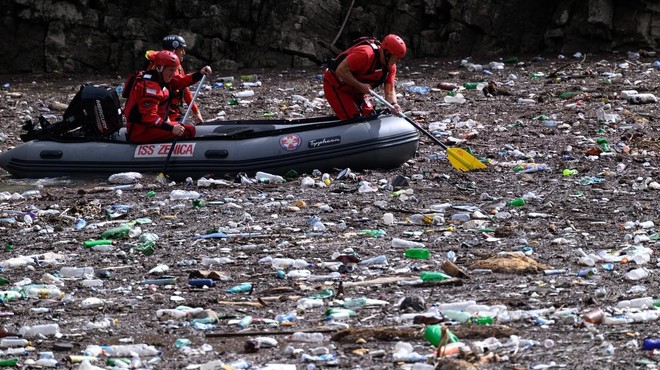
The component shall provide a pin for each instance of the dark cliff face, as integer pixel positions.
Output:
(112, 36)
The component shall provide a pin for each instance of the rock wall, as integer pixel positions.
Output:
(111, 36)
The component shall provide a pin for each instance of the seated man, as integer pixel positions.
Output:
(147, 107)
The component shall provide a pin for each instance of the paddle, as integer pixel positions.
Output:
(459, 158)
(161, 176)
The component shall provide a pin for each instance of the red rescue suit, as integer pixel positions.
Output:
(176, 95)
(147, 108)
(364, 63)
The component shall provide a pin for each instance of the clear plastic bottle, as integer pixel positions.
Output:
(407, 244)
(76, 272)
(244, 94)
(41, 291)
(184, 194)
(13, 342)
(422, 219)
(284, 263)
(378, 260)
(419, 89)
(307, 303)
(48, 330)
(142, 350)
(307, 337)
(269, 178)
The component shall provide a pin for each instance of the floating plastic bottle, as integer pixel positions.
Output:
(184, 194)
(457, 98)
(241, 288)
(9, 362)
(530, 168)
(433, 334)
(651, 344)
(93, 243)
(244, 94)
(41, 291)
(307, 337)
(268, 178)
(378, 260)
(14, 342)
(518, 202)
(427, 276)
(417, 253)
(116, 232)
(422, 219)
(402, 243)
(419, 89)
(48, 330)
(76, 272)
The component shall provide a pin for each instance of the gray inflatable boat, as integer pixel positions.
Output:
(225, 148)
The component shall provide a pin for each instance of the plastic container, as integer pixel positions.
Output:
(388, 219)
(457, 98)
(637, 274)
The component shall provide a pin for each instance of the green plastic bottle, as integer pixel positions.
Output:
(511, 60)
(418, 253)
(10, 362)
(433, 333)
(481, 320)
(603, 144)
(116, 232)
(433, 276)
(93, 243)
(470, 85)
(3, 281)
(324, 294)
(518, 202)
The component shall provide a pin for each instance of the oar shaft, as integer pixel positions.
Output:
(169, 153)
(411, 121)
(199, 86)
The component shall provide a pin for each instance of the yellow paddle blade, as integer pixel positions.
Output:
(462, 160)
(161, 178)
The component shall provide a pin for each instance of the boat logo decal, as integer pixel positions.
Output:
(317, 143)
(290, 142)
(157, 150)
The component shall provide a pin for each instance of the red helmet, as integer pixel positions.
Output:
(166, 58)
(394, 45)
